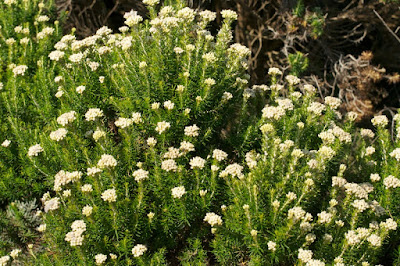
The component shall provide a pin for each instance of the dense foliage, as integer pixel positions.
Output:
(154, 151)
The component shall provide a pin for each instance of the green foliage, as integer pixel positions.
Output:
(18, 224)
(25, 104)
(155, 151)
(317, 22)
(298, 11)
(298, 63)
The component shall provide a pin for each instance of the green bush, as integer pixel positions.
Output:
(27, 35)
(154, 152)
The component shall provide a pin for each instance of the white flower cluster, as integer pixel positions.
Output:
(240, 50)
(380, 121)
(274, 71)
(75, 237)
(109, 195)
(371, 150)
(35, 150)
(107, 161)
(5, 259)
(162, 127)
(52, 204)
(360, 205)
(286, 104)
(139, 250)
(389, 224)
(213, 219)
(140, 175)
(395, 154)
(235, 170)
(172, 153)
(219, 155)
(56, 55)
(197, 162)
(324, 217)
(271, 246)
(332, 102)
(47, 31)
(178, 192)
(273, 112)
(375, 240)
(292, 80)
(123, 122)
(151, 2)
(229, 14)
(87, 210)
(186, 14)
(20, 70)
(132, 18)
(169, 165)
(15, 253)
(6, 143)
(360, 191)
(209, 57)
(63, 178)
(305, 255)
(100, 259)
(296, 213)
(192, 131)
(186, 147)
(326, 152)
(59, 134)
(76, 58)
(87, 188)
(93, 113)
(66, 118)
(391, 182)
(92, 171)
(367, 133)
(137, 118)
(316, 108)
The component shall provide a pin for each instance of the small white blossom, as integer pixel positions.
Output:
(213, 219)
(100, 259)
(162, 127)
(80, 89)
(197, 162)
(178, 192)
(229, 14)
(139, 250)
(66, 118)
(87, 210)
(6, 143)
(192, 131)
(87, 188)
(305, 255)
(15, 253)
(332, 102)
(19, 70)
(109, 195)
(107, 161)
(59, 134)
(140, 175)
(380, 121)
(35, 150)
(271, 246)
(93, 113)
(169, 165)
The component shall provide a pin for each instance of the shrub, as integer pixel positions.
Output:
(137, 153)
(27, 35)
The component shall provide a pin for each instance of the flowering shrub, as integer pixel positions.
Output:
(27, 35)
(155, 152)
